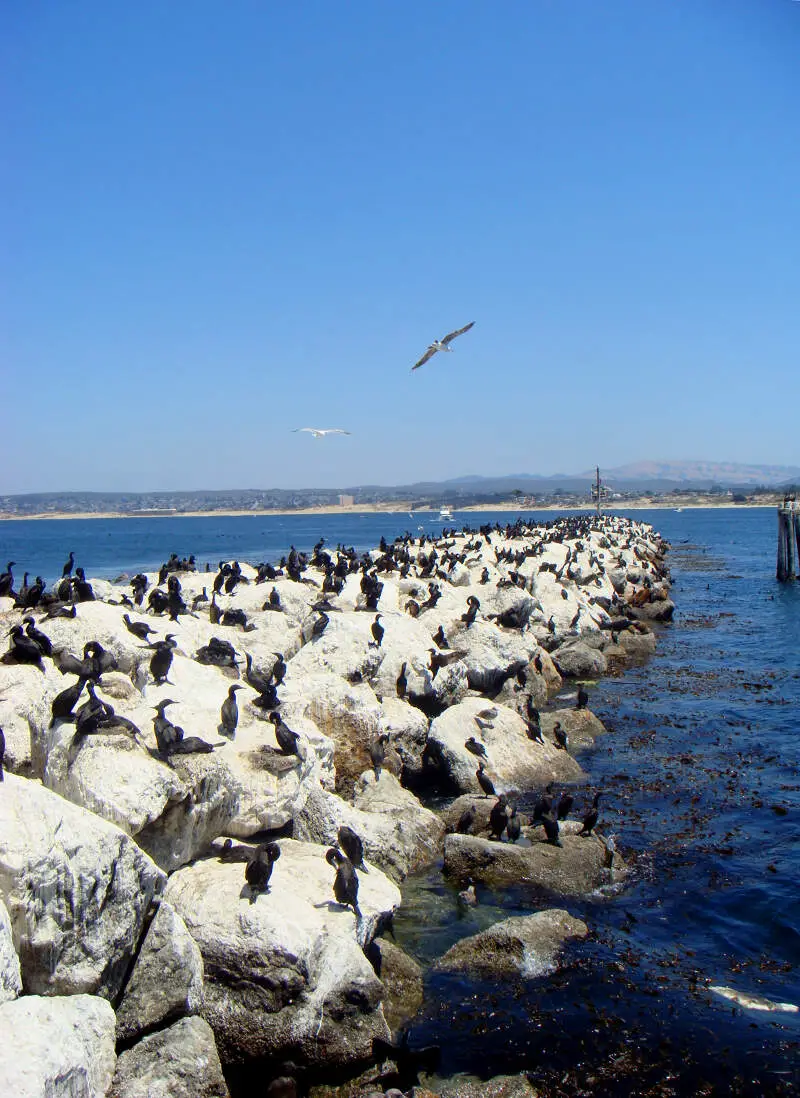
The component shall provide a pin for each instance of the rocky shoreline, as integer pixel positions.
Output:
(137, 931)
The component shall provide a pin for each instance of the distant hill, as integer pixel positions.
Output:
(703, 473)
(656, 477)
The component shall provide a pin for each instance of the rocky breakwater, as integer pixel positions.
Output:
(213, 787)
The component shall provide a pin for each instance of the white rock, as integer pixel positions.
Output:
(514, 761)
(57, 1047)
(10, 978)
(167, 979)
(407, 728)
(398, 833)
(179, 1062)
(286, 974)
(77, 890)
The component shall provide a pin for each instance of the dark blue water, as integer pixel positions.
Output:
(108, 547)
(701, 775)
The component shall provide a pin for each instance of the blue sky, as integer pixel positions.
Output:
(225, 221)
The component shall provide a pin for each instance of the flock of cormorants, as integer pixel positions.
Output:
(30, 645)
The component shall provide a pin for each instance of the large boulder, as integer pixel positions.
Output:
(179, 1062)
(10, 977)
(581, 725)
(57, 1047)
(470, 1086)
(167, 979)
(514, 761)
(398, 833)
(416, 832)
(402, 980)
(77, 890)
(348, 714)
(580, 865)
(527, 945)
(578, 661)
(407, 728)
(286, 975)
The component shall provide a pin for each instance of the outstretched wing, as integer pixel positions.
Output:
(334, 431)
(459, 332)
(311, 430)
(431, 351)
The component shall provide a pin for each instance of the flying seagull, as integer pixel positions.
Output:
(321, 432)
(441, 345)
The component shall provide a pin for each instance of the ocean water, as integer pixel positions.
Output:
(700, 772)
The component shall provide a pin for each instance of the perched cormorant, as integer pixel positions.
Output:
(442, 659)
(93, 714)
(60, 610)
(257, 679)
(67, 569)
(259, 869)
(513, 827)
(377, 630)
(345, 885)
(544, 803)
(474, 606)
(466, 820)
(63, 703)
(199, 600)
(170, 737)
(560, 736)
(551, 830)
(590, 819)
(565, 804)
(352, 846)
(402, 682)
(41, 640)
(320, 625)
(439, 639)
(7, 581)
(484, 781)
(498, 818)
(476, 748)
(583, 699)
(377, 753)
(229, 713)
(162, 659)
(139, 629)
(287, 739)
(23, 649)
(279, 669)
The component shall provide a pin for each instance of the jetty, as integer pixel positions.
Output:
(176, 882)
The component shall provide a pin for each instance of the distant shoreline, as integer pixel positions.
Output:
(378, 508)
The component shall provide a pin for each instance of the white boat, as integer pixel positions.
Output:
(445, 513)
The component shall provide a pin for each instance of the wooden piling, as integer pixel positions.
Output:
(788, 541)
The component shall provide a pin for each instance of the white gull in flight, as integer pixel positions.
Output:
(441, 345)
(320, 432)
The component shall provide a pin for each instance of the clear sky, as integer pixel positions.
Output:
(225, 220)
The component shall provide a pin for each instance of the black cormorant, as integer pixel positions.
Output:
(590, 819)
(345, 885)
(352, 846)
(229, 713)
(287, 739)
(484, 781)
(259, 869)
